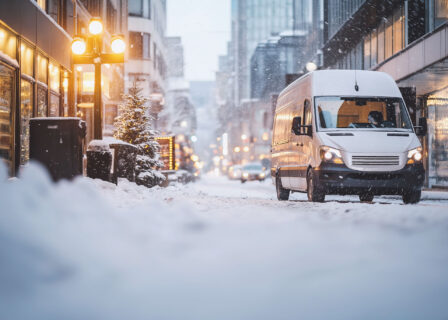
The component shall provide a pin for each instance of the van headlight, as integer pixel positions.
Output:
(328, 154)
(415, 155)
(245, 175)
(262, 175)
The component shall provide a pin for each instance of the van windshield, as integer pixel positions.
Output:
(362, 113)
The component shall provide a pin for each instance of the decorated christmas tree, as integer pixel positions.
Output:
(133, 126)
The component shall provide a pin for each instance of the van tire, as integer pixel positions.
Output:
(366, 197)
(412, 196)
(282, 193)
(314, 193)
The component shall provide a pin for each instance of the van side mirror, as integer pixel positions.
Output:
(422, 128)
(297, 125)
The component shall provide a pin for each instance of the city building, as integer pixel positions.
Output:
(38, 78)
(254, 21)
(146, 65)
(406, 39)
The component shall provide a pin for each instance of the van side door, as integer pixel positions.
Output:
(296, 152)
(307, 140)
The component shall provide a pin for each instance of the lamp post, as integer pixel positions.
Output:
(96, 57)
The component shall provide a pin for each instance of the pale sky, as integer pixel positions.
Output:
(204, 26)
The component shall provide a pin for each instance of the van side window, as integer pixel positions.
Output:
(307, 114)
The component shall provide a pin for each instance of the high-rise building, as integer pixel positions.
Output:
(254, 21)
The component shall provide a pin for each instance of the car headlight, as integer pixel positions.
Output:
(262, 175)
(245, 175)
(415, 155)
(328, 154)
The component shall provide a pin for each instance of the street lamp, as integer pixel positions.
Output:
(97, 58)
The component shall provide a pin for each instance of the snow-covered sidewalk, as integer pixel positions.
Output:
(216, 249)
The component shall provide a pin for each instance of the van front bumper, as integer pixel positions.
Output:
(339, 179)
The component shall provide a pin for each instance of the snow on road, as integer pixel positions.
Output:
(216, 249)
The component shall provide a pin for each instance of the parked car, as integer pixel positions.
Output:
(234, 172)
(346, 132)
(253, 171)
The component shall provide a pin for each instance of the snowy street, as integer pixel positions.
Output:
(216, 249)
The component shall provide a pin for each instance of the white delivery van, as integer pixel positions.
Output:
(346, 132)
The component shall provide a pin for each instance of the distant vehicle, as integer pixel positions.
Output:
(253, 171)
(346, 132)
(234, 172)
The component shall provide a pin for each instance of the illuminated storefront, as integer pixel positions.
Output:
(33, 74)
(437, 104)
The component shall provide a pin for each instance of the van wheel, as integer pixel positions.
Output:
(315, 194)
(282, 194)
(412, 196)
(366, 197)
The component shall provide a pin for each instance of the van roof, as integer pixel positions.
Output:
(342, 83)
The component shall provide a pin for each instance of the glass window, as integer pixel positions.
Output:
(42, 4)
(135, 8)
(367, 52)
(42, 65)
(398, 30)
(53, 9)
(88, 82)
(146, 46)
(27, 59)
(373, 49)
(362, 113)
(135, 45)
(381, 43)
(440, 12)
(54, 105)
(8, 43)
(7, 81)
(26, 113)
(388, 39)
(42, 101)
(307, 114)
(55, 77)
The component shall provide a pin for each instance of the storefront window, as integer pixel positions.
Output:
(42, 66)
(6, 108)
(438, 138)
(381, 43)
(55, 77)
(373, 49)
(441, 12)
(398, 30)
(26, 113)
(27, 59)
(42, 101)
(367, 52)
(8, 43)
(54, 105)
(388, 39)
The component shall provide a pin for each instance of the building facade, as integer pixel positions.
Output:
(406, 39)
(146, 65)
(37, 75)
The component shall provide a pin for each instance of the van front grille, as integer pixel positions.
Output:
(375, 160)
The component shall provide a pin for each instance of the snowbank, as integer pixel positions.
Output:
(93, 250)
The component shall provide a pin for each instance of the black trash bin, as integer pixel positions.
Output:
(99, 160)
(124, 157)
(57, 144)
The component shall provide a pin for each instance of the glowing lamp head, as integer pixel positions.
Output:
(118, 45)
(78, 46)
(95, 26)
